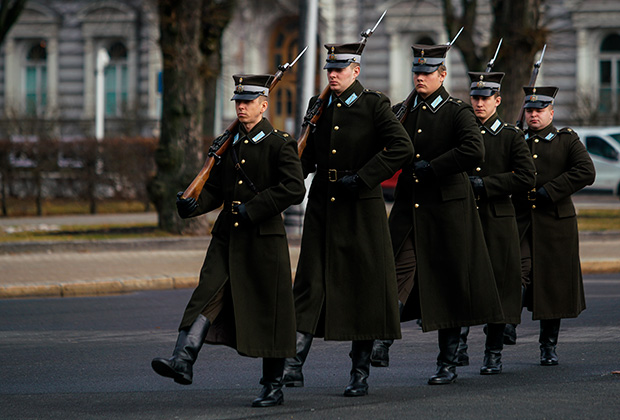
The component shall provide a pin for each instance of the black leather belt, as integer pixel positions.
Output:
(333, 175)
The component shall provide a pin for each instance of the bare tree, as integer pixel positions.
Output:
(9, 12)
(520, 25)
(190, 36)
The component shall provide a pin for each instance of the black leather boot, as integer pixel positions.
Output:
(293, 376)
(360, 356)
(510, 334)
(380, 356)
(462, 358)
(189, 343)
(549, 331)
(492, 362)
(446, 361)
(271, 394)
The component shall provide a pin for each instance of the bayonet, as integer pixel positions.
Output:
(492, 62)
(369, 32)
(286, 66)
(457, 35)
(542, 54)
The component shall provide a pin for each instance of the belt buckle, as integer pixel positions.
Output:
(332, 175)
(233, 209)
(531, 194)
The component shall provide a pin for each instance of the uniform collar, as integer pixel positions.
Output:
(434, 101)
(493, 125)
(349, 96)
(256, 134)
(547, 134)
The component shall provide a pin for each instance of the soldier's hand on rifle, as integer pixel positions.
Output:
(239, 208)
(349, 184)
(423, 170)
(185, 206)
(542, 195)
(477, 184)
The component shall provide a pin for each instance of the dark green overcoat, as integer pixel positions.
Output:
(258, 317)
(508, 168)
(454, 279)
(345, 285)
(563, 167)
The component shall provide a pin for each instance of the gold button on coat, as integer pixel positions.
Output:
(338, 104)
(417, 155)
(536, 140)
(242, 161)
(416, 205)
(419, 130)
(483, 132)
(423, 106)
(236, 224)
(535, 156)
(336, 128)
(246, 141)
(333, 199)
(478, 169)
(240, 181)
(334, 152)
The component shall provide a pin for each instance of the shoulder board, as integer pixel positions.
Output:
(455, 101)
(568, 130)
(376, 92)
(282, 134)
(512, 127)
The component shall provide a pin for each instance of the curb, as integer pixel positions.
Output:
(106, 287)
(96, 288)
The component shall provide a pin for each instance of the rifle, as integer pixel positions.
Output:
(492, 62)
(533, 78)
(313, 114)
(221, 144)
(401, 113)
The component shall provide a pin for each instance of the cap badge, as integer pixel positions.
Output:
(422, 60)
(480, 84)
(239, 88)
(533, 98)
(332, 55)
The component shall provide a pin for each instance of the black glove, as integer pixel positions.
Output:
(542, 195)
(477, 184)
(423, 170)
(185, 206)
(349, 185)
(240, 209)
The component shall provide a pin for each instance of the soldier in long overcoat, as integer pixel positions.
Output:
(442, 264)
(547, 222)
(345, 284)
(508, 168)
(244, 297)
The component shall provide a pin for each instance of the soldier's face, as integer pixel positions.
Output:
(250, 113)
(485, 106)
(427, 83)
(537, 119)
(341, 79)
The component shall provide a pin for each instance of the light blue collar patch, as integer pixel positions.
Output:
(330, 100)
(236, 138)
(496, 125)
(258, 137)
(527, 136)
(415, 103)
(549, 136)
(437, 101)
(351, 99)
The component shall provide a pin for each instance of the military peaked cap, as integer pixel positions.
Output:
(340, 56)
(250, 86)
(485, 84)
(539, 97)
(428, 58)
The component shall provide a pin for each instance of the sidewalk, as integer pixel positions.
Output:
(81, 268)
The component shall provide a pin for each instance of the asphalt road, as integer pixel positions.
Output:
(89, 358)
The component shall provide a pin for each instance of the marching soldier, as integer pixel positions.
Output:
(551, 271)
(443, 269)
(244, 297)
(345, 286)
(507, 169)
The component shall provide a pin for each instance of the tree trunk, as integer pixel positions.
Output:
(519, 24)
(185, 35)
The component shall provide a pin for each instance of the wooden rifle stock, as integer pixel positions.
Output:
(311, 118)
(401, 114)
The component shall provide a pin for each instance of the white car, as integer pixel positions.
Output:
(603, 144)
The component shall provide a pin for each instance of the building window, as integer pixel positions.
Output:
(609, 73)
(35, 79)
(116, 80)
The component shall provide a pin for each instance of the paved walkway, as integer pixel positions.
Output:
(79, 268)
